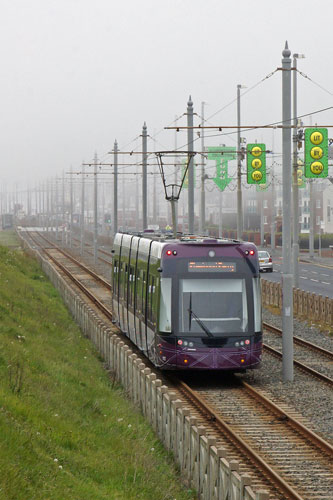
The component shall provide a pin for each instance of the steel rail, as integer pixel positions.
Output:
(83, 288)
(300, 341)
(75, 261)
(300, 365)
(261, 464)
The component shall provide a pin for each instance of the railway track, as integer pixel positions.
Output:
(281, 455)
(310, 358)
(283, 451)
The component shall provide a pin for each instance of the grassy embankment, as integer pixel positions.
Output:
(66, 430)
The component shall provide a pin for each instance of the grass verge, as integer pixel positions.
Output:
(66, 430)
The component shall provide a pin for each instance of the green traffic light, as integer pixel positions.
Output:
(316, 153)
(256, 163)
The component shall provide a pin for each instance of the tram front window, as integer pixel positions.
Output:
(212, 306)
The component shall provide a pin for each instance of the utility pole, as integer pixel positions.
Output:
(190, 167)
(82, 211)
(115, 190)
(95, 211)
(202, 218)
(239, 172)
(144, 177)
(287, 277)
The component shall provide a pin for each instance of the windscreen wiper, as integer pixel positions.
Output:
(200, 323)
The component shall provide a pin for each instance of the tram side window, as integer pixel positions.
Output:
(131, 286)
(165, 306)
(121, 280)
(115, 278)
(257, 305)
(151, 300)
(143, 292)
(125, 279)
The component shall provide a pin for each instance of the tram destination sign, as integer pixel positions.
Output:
(211, 267)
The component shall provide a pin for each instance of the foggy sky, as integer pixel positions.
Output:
(78, 74)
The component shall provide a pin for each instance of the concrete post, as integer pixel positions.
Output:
(190, 167)
(287, 278)
(144, 177)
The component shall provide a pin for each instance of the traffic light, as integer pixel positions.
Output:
(256, 163)
(300, 174)
(316, 152)
(107, 218)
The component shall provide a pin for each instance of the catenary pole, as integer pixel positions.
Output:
(95, 211)
(144, 177)
(190, 167)
(202, 222)
(56, 207)
(295, 180)
(239, 172)
(71, 209)
(63, 208)
(273, 200)
(82, 210)
(287, 278)
(115, 189)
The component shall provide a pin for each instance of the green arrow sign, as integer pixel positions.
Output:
(221, 155)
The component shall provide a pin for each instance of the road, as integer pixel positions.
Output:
(314, 278)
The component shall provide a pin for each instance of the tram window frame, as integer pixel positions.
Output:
(143, 292)
(115, 278)
(131, 286)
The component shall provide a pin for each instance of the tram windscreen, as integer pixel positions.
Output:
(213, 307)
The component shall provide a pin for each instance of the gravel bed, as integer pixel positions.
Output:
(308, 397)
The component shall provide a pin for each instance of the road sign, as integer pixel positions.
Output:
(316, 153)
(222, 155)
(256, 163)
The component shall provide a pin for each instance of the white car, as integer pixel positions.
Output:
(265, 261)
